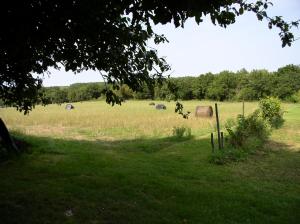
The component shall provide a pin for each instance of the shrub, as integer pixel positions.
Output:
(250, 132)
(247, 134)
(182, 131)
(295, 98)
(271, 111)
(230, 123)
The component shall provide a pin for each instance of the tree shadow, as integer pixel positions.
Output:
(146, 145)
(275, 146)
(155, 180)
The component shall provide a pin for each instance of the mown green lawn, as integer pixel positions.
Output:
(89, 177)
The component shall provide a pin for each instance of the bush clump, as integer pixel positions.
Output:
(250, 132)
(295, 98)
(271, 111)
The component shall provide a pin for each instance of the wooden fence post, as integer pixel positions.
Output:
(212, 142)
(222, 140)
(218, 125)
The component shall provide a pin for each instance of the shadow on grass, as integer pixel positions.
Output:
(275, 146)
(146, 145)
(157, 180)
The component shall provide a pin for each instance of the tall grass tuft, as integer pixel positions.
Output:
(180, 132)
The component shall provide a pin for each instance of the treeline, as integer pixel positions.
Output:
(223, 86)
(73, 93)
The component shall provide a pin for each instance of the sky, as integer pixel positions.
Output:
(195, 50)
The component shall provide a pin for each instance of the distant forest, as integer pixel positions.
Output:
(223, 86)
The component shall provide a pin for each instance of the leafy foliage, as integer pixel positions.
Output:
(250, 132)
(223, 87)
(295, 98)
(245, 136)
(107, 36)
(241, 85)
(271, 111)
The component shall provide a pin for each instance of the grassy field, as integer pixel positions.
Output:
(100, 121)
(103, 164)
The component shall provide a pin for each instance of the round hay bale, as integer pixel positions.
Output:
(69, 107)
(152, 104)
(160, 107)
(204, 111)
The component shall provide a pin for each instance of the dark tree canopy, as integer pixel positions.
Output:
(109, 36)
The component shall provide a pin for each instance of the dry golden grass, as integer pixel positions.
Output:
(134, 119)
(98, 120)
